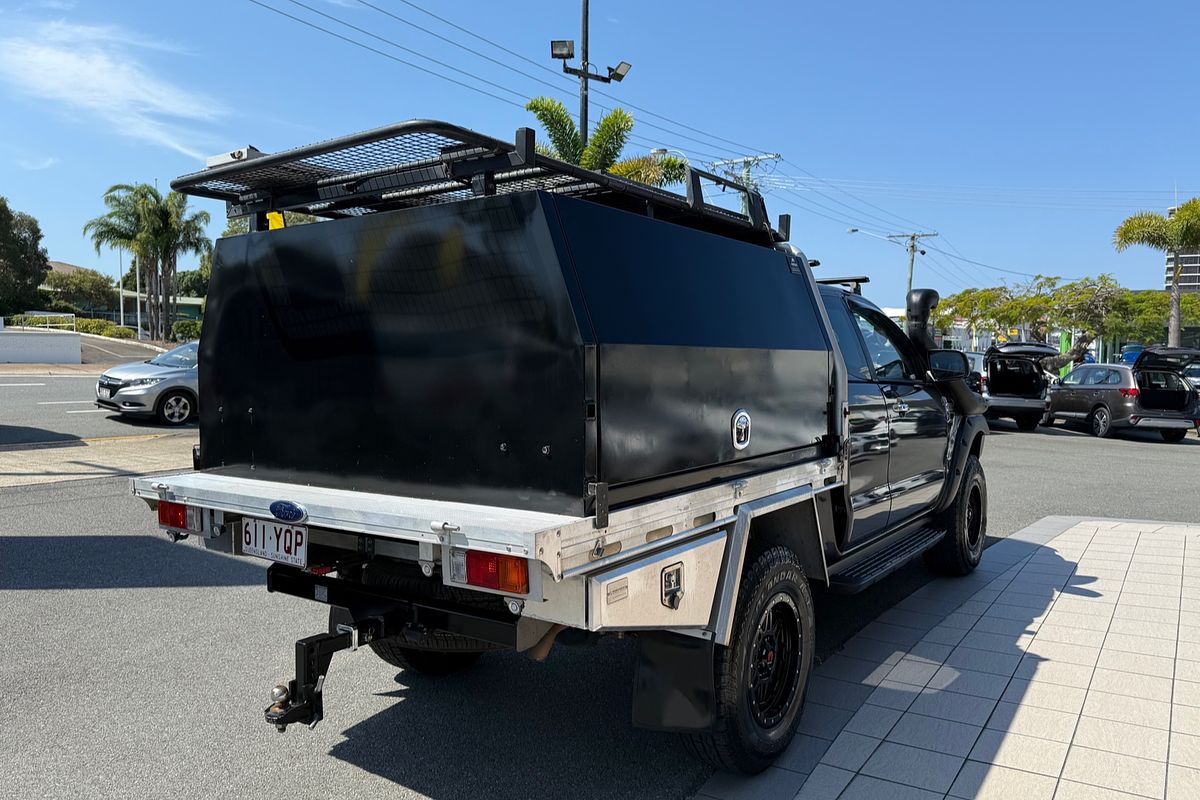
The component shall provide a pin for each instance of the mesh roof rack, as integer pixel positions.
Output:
(420, 162)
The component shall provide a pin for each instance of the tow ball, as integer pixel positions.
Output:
(301, 699)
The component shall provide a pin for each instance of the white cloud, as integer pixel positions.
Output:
(35, 164)
(93, 71)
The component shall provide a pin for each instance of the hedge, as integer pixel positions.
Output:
(185, 330)
(101, 327)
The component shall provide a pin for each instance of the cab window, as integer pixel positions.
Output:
(848, 339)
(883, 352)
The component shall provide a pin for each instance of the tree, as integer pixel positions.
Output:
(1174, 235)
(23, 262)
(604, 146)
(1141, 316)
(1084, 306)
(155, 230)
(192, 283)
(85, 288)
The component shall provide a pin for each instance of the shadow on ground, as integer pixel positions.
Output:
(104, 561)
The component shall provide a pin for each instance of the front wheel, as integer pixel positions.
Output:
(965, 521)
(1173, 435)
(176, 408)
(1101, 422)
(762, 675)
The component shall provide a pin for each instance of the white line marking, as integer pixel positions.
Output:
(22, 384)
(94, 411)
(62, 402)
(110, 352)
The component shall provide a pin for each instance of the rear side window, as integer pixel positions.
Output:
(848, 340)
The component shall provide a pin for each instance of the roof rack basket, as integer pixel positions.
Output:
(421, 162)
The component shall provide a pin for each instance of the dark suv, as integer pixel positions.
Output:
(1150, 394)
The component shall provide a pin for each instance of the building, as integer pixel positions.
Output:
(1189, 277)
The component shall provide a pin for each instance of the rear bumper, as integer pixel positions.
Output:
(1162, 423)
(1001, 404)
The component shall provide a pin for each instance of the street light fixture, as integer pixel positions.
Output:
(564, 49)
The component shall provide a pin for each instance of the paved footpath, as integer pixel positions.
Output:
(1066, 667)
(100, 457)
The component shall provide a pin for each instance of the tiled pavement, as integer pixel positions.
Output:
(1067, 666)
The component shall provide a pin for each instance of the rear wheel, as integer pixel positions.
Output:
(1173, 435)
(1100, 422)
(1028, 422)
(965, 522)
(761, 677)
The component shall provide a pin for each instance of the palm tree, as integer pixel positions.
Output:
(155, 229)
(178, 232)
(129, 225)
(604, 145)
(1174, 234)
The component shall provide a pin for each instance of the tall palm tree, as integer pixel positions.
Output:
(604, 145)
(155, 229)
(178, 232)
(1175, 234)
(129, 224)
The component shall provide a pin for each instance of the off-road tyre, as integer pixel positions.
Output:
(176, 407)
(438, 652)
(1100, 422)
(1172, 435)
(434, 663)
(1028, 422)
(749, 733)
(965, 523)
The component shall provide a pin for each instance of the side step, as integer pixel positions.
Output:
(879, 564)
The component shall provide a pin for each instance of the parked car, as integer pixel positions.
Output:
(1130, 352)
(165, 386)
(1152, 393)
(546, 427)
(1013, 383)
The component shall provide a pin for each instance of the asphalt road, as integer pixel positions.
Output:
(136, 667)
(40, 408)
(103, 352)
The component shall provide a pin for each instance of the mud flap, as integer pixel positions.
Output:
(673, 684)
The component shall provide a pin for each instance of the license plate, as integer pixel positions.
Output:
(104, 393)
(276, 541)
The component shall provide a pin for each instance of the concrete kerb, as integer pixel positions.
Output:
(858, 738)
(147, 345)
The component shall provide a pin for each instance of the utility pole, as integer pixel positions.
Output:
(120, 285)
(564, 49)
(743, 177)
(912, 248)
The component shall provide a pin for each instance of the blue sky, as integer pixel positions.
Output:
(1023, 131)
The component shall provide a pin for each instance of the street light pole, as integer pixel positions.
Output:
(564, 49)
(583, 76)
(911, 247)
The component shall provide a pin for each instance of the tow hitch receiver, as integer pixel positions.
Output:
(301, 700)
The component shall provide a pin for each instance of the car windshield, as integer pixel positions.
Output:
(182, 357)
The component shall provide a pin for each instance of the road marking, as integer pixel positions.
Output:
(94, 411)
(110, 352)
(63, 402)
(22, 384)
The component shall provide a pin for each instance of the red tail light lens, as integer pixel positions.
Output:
(1130, 392)
(495, 571)
(178, 517)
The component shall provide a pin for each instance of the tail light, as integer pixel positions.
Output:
(1130, 392)
(178, 517)
(490, 571)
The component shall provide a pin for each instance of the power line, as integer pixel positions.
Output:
(980, 263)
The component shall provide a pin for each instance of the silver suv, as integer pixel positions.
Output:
(1151, 394)
(166, 386)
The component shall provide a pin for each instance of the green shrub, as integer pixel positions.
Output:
(185, 330)
(100, 327)
(120, 333)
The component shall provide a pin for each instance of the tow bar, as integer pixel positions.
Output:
(301, 700)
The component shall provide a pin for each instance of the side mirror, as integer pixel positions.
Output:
(948, 365)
